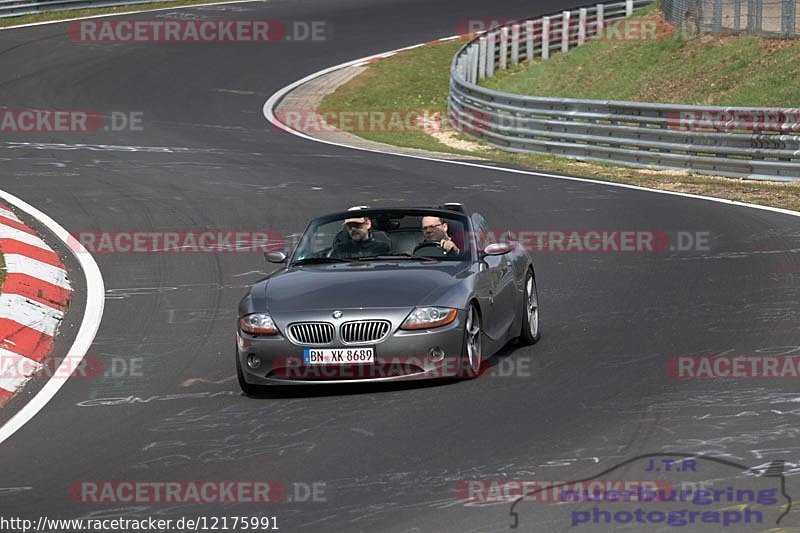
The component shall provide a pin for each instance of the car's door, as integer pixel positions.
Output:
(495, 282)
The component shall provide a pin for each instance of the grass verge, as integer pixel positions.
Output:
(417, 80)
(118, 10)
(656, 63)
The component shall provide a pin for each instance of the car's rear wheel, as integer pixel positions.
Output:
(473, 343)
(248, 388)
(530, 312)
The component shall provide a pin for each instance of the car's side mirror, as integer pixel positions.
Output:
(498, 248)
(275, 257)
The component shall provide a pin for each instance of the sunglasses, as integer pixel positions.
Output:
(432, 226)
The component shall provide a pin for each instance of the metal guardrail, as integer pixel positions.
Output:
(769, 18)
(16, 8)
(755, 143)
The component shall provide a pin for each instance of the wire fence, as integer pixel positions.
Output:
(768, 18)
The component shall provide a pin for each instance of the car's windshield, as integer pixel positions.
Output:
(385, 236)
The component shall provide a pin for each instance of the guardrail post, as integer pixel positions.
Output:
(476, 59)
(504, 47)
(473, 63)
(515, 44)
(529, 40)
(490, 48)
(581, 26)
(601, 23)
(565, 31)
(482, 58)
(545, 37)
(628, 8)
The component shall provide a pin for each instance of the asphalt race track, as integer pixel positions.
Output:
(592, 393)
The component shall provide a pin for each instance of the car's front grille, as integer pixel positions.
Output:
(311, 332)
(361, 331)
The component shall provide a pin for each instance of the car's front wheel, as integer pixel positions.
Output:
(530, 312)
(472, 359)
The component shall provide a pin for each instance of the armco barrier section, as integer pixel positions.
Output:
(755, 143)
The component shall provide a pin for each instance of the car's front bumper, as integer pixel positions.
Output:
(403, 355)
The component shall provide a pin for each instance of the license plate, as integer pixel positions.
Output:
(338, 356)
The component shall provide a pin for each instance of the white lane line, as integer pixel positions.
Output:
(22, 264)
(15, 369)
(130, 13)
(34, 315)
(93, 314)
(274, 100)
(7, 232)
(108, 148)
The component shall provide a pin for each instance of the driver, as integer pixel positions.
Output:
(434, 229)
(361, 242)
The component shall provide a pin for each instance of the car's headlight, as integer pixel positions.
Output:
(258, 324)
(429, 317)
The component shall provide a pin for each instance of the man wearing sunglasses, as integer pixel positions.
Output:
(361, 242)
(434, 229)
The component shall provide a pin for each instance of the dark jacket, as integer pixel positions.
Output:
(350, 248)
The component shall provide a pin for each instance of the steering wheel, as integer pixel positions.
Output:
(429, 246)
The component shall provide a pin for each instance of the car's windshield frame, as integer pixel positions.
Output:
(372, 213)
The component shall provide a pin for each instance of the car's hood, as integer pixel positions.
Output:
(353, 286)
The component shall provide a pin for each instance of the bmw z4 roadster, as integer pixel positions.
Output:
(372, 295)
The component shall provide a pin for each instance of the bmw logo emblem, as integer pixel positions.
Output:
(337, 314)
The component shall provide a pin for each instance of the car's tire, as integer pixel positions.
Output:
(472, 358)
(531, 326)
(248, 388)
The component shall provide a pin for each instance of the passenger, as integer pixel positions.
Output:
(361, 242)
(434, 229)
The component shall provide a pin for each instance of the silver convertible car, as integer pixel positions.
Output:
(384, 295)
